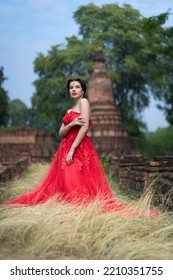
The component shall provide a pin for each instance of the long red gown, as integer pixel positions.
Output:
(80, 182)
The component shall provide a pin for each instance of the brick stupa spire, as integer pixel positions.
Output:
(108, 133)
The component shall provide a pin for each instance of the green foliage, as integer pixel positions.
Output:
(166, 83)
(18, 113)
(158, 143)
(136, 127)
(161, 70)
(51, 97)
(3, 100)
(152, 24)
(117, 31)
(106, 164)
(39, 120)
(136, 59)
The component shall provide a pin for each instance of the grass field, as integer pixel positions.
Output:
(65, 231)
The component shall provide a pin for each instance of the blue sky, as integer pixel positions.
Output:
(28, 27)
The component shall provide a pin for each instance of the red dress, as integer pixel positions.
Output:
(80, 182)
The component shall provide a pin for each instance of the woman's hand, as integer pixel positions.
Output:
(69, 158)
(78, 121)
(65, 129)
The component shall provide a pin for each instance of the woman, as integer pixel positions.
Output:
(76, 174)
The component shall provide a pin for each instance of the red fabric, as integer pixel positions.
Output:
(80, 182)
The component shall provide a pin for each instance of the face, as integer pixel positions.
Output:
(75, 90)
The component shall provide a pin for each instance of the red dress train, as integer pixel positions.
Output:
(80, 182)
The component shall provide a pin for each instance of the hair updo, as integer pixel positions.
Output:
(82, 83)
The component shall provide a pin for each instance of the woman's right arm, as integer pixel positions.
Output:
(64, 129)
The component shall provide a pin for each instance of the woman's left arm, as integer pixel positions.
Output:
(85, 113)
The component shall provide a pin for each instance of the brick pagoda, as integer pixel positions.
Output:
(108, 133)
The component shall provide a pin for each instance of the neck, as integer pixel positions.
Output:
(77, 101)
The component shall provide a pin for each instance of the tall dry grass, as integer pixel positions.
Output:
(66, 231)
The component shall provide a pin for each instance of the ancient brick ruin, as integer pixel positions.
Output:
(9, 170)
(36, 144)
(110, 137)
(22, 146)
(139, 174)
(108, 133)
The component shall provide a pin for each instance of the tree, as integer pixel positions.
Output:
(18, 113)
(51, 96)
(130, 53)
(162, 72)
(39, 120)
(3, 100)
(158, 143)
(167, 86)
(50, 87)
(134, 57)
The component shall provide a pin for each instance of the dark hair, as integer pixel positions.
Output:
(82, 83)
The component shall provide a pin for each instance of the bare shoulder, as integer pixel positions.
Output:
(85, 108)
(84, 102)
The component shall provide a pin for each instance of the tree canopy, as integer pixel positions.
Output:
(18, 113)
(138, 58)
(3, 100)
(158, 143)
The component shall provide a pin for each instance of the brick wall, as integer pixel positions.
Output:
(10, 170)
(22, 146)
(36, 144)
(134, 172)
(19, 147)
